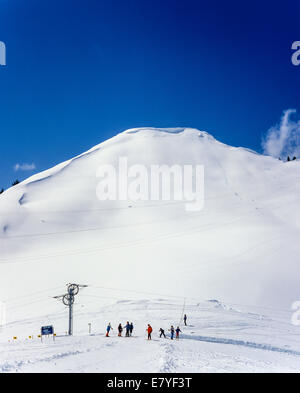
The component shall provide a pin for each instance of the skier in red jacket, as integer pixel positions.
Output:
(149, 330)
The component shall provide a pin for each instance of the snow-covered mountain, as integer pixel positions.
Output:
(232, 266)
(243, 246)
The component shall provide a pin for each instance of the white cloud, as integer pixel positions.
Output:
(283, 139)
(24, 167)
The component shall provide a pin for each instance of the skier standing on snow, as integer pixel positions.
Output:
(162, 333)
(131, 328)
(120, 330)
(127, 327)
(172, 330)
(108, 329)
(177, 332)
(185, 318)
(149, 330)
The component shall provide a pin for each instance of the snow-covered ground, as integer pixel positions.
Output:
(218, 338)
(241, 249)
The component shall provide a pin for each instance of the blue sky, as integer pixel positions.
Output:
(78, 72)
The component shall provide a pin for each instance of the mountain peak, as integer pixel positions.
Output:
(169, 130)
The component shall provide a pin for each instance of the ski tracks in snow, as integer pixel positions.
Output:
(248, 344)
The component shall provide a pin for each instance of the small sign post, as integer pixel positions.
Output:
(47, 331)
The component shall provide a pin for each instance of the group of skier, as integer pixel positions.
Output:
(172, 331)
(129, 329)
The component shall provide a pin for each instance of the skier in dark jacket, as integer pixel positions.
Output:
(127, 327)
(131, 328)
(172, 330)
(184, 319)
(162, 333)
(120, 330)
(108, 329)
(177, 332)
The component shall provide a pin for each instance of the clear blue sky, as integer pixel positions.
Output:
(79, 72)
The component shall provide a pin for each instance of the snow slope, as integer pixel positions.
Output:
(243, 248)
(218, 338)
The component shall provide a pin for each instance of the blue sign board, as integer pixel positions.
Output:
(47, 330)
